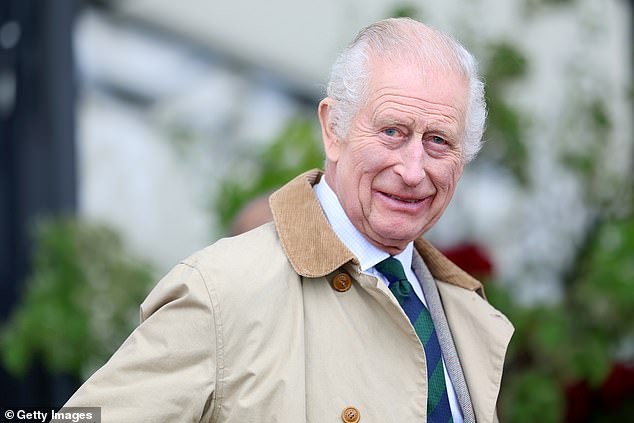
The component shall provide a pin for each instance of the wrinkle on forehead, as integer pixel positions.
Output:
(444, 88)
(419, 114)
(411, 93)
(400, 111)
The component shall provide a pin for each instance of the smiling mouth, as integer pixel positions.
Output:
(404, 200)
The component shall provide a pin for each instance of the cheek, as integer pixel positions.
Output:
(446, 176)
(366, 160)
(367, 165)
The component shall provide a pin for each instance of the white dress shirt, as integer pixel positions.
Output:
(370, 255)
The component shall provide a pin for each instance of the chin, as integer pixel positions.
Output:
(395, 235)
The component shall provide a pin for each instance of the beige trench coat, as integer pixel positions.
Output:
(251, 330)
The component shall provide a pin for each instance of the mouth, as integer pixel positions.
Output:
(404, 200)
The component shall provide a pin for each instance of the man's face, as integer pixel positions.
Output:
(398, 167)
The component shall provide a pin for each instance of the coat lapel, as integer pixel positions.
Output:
(481, 335)
(447, 345)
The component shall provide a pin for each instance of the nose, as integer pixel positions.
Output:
(411, 167)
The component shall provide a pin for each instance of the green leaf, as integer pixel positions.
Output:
(80, 269)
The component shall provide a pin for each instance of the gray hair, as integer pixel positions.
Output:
(403, 38)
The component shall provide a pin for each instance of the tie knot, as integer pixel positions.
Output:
(392, 269)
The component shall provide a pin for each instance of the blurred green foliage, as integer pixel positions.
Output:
(295, 150)
(79, 303)
(576, 340)
(505, 137)
(587, 157)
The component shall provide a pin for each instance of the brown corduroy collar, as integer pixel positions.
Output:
(315, 250)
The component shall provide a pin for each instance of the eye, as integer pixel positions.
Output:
(438, 140)
(392, 132)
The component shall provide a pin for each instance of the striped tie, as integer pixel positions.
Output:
(438, 409)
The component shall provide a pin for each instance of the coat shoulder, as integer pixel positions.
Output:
(247, 265)
(240, 256)
(242, 250)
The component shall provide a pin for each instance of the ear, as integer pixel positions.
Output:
(330, 140)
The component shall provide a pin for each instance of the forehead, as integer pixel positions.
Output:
(408, 88)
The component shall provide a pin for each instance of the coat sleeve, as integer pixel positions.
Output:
(166, 370)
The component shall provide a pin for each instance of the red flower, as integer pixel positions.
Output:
(472, 258)
(618, 386)
(584, 403)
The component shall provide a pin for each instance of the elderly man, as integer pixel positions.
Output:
(338, 310)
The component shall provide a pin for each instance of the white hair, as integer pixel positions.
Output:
(403, 38)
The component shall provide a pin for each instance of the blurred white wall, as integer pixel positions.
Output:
(297, 39)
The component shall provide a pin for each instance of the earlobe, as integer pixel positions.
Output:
(330, 140)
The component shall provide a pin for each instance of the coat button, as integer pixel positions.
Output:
(342, 282)
(350, 415)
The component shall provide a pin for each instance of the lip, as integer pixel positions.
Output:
(403, 203)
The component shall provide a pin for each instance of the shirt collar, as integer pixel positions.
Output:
(367, 254)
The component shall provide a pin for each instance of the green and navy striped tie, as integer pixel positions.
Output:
(438, 409)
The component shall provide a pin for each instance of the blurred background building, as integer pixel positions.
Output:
(155, 121)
